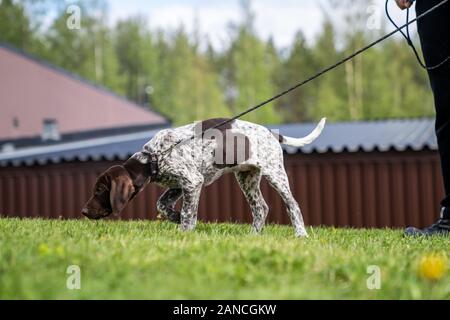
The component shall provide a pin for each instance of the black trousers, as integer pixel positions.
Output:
(434, 32)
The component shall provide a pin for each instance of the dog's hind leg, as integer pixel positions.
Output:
(166, 205)
(279, 181)
(249, 181)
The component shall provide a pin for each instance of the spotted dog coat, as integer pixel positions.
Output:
(248, 150)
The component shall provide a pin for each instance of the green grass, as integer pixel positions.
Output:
(153, 260)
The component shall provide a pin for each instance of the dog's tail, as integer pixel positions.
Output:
(300, 142)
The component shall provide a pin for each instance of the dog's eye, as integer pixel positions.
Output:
(99, 190)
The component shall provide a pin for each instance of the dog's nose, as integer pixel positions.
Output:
(85, 212)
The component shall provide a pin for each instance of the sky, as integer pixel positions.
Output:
(280, 19)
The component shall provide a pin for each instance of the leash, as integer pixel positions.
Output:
(326, 70)
(407, 36)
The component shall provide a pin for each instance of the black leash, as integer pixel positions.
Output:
(322, 72)
(407, 36)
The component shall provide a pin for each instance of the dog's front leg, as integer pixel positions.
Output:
(191, 197)
(166, 205)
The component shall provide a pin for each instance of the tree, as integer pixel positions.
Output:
(136, 55)
(355, 36)
(14, 24)
(190, 89)
(88, 51)
(331, 93)
(182, 75)
(297, 106)
(402, 89)
(106, 61)
(248, 76)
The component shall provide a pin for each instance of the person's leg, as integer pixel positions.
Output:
(434, 32)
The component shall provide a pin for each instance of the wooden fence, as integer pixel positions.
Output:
(378, 189)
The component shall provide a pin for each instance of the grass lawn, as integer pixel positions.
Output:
(153, 260)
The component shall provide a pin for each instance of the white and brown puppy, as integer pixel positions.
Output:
(248, 150)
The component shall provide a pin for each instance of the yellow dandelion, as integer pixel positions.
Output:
(60, 251)
(433, 267)
(134, 262)
(44, 249)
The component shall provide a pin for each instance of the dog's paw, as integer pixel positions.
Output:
(174, 217)
(301, 234)
(187, 227)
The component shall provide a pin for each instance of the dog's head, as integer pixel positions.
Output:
(112, 191)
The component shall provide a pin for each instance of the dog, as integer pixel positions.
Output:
(188, 158)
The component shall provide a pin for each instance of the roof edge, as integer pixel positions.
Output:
(33, 151)
(36, 141)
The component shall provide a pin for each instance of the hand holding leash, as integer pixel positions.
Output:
(404, 4)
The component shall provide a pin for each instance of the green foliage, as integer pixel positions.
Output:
(14, 24)
(251, 64)
(88, 52)
(299, 64)
(331, 95)
(135, 55)
(154, 260)
(185, 78)
(187, 85)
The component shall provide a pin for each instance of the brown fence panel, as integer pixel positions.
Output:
(391, 189)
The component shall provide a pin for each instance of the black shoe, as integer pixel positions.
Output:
(441, 228)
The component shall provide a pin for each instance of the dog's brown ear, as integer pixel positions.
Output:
(121, 191)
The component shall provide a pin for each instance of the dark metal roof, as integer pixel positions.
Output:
(109, 148)
(399, 135)
(37, 141)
